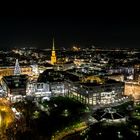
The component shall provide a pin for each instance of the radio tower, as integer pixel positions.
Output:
(17, 70)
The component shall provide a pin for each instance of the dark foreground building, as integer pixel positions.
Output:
(15, 85)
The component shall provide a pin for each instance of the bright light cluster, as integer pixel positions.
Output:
(6, 114)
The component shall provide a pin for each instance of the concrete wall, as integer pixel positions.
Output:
(132, 89)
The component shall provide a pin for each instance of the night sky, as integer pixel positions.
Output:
(26, 28)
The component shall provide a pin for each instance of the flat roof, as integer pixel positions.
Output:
(107, 81)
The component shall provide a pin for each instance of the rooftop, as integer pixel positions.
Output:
(50, 75)
(94, 83)
(16, 81)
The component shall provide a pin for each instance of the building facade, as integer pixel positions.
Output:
(55, 80)
(136, 72)
(93, 94)
(38, 89)
(132, 89)
(14, 86)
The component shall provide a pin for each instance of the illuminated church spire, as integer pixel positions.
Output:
(17, 70)
(53, 45)
(53, 56)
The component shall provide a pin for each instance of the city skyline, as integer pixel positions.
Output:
(69, 71)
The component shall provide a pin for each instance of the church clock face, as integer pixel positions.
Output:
(16, 84)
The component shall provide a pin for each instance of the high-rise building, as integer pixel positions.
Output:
(53, 56)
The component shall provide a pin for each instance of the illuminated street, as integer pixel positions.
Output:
(6, 115)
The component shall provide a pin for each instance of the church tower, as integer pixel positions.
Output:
(17, 70)
(53, 56)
